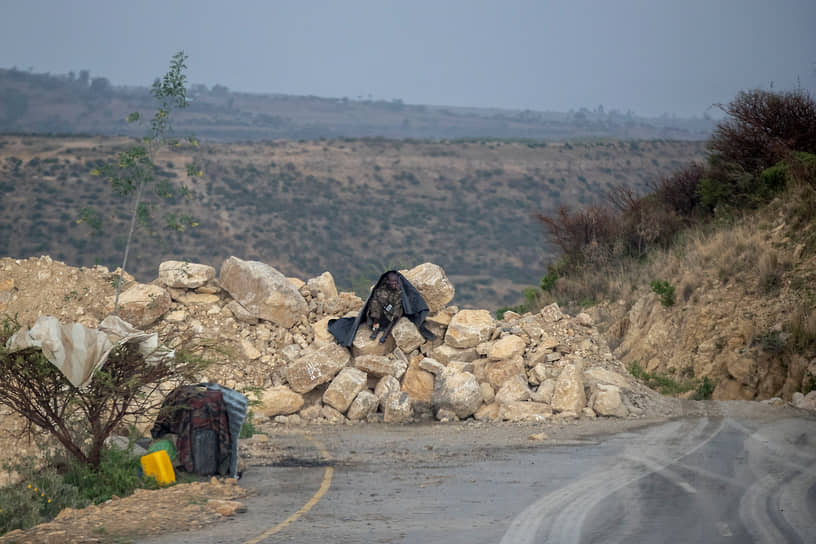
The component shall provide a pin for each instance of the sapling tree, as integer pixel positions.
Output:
(134, 173)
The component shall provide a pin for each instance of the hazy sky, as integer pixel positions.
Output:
(651, 56)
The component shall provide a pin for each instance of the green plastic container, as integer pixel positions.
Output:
(165, 445)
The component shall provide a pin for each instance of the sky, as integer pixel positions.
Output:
(652, 57)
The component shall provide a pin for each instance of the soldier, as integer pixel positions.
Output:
(385, 307)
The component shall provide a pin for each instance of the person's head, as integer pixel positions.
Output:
(392, 281)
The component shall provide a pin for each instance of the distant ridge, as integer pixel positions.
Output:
(34, 103)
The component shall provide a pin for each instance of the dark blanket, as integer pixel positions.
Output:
(413, 307)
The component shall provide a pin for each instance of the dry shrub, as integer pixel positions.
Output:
(761, 128)
(770, 273)
(586, 235)
(678, 192)
(802, 327)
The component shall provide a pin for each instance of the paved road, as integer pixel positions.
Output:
(703, 480)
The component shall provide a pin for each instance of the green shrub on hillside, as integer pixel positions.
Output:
(665, 290)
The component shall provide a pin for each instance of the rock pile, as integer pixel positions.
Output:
(274, 330)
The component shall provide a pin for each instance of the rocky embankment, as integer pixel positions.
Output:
(274, 331)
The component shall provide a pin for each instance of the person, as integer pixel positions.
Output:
(405, 301)
(385, 307)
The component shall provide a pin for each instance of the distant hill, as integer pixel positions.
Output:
(351, 206)
(71, 104)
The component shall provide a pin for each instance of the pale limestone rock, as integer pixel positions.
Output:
(524, 411)
(445, 354)
(441, 318)
(805, 402)
(584, 319)
(533, 358)
(324, 283)
(469, 328)
(417, 382)
(431, 365)
(534, 326)
(569, 393)
(331, 414)
(551, 313)
(545, 392)
(142, 304)
(184, 274)
(241, 314)
(513, 389)
(510, 315)
(263, 291)
(461, 366)
(249, 350)
(406, 335)
(178, 316)
(457, 391)
(297, 283)
(446, 416)
(507, 347)
(363, 345)
(487, 412)
(344, 388)
(488, 394)
(197, 299)
(291, 352)
(598, 375)
(279, 400)
(386, 386)
(608, 402)
(432, 283)
(317, 365)
(397, 408)
(500, 371)
(380, 365)
(322, 335)
(344, 304)
(484, 348)
(539, 373)
(364, 404)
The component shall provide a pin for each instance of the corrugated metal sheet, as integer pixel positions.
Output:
(237, 405)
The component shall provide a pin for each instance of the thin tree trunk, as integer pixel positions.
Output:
(127, 246)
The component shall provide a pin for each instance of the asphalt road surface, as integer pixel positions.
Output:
(730, 478)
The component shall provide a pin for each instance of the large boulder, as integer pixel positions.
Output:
(524, 411)
(507, 347)
(142, 304)
(406, 335)
(469, 328)
(498, 372)
(607, 401)
(397, 408)
(186, 275)
(458, 392)
(432, 283)
(324, 283)
(417, 382)
(380, 365)
(364, 345)
(280, 400)
(316, 366)
(363, 405)
(569, 393)
(263, 291)
(344, 388)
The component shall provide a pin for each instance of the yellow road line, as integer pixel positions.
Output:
(324, 486)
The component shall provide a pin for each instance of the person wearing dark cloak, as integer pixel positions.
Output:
(385, 307)
(400, 294)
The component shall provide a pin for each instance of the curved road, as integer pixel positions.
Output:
(703, 480)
